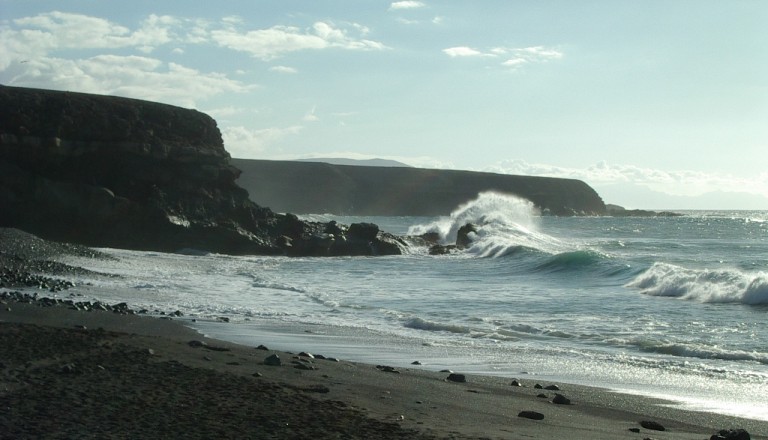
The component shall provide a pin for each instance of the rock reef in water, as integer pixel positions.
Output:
(117, 172)
(315, 187)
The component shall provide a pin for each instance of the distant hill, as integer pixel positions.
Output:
(315, 187)
(638, 196)
(358, 162)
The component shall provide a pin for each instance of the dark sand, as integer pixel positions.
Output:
(76, 374)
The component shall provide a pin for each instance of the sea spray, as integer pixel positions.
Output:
(505, 223)
(704, 285)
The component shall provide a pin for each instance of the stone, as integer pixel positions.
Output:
(416, 363)
(635, 430)
(515, 383)
(561, 400)
(731, 434)
(463, 237)
(533, 415)
(552, 388)
(542, 396)
(455, 377)
(262, 347)
(196, 344)
(653, 426)
(387, 369)
(307, 355)
(538, 386)
(273, 361)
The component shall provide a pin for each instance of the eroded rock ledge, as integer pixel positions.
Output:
(116, 172)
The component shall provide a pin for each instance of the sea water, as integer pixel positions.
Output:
(671, 307)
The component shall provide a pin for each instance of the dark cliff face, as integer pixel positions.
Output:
(304, 187)
(118, 172)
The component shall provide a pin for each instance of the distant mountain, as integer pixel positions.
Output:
(358, 162)
(637, 196)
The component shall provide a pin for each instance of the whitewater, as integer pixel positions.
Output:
(671, 307)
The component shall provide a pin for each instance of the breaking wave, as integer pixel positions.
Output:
(704, 285)
(505, 224)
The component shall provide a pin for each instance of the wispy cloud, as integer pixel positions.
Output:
(283, 69)
(406, 4)
(464, 51)
(676, 182)
(311, 116)
(247, 143)
(512, 57)
(267, 44)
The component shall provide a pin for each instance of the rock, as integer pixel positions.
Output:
(552, 388)
(635, 430)
(108, 171)
(542, 396)
(455, 377)
(515, 383)
(196, 344)
(561, 400)
(69, 369)
(273, 361)
(416, 363)
(305, 354)
(463, 237)
(653, 426)
(731, 434)
(262, 347)
(387, 369)
(538, 386)
(533, 415)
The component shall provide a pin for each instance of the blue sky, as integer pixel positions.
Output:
(650, 102)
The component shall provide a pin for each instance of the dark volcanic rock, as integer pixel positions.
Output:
(533, 415)
(117, 172)
(731, 434)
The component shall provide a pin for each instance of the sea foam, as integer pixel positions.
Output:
(505, 223)
(704, 285)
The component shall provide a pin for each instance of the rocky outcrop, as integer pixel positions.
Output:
(118, 172)
(313, 187)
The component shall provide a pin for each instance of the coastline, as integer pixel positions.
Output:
(323, 399)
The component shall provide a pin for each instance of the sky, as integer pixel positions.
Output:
(656, 104)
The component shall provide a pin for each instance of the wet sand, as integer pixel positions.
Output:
(99, 374)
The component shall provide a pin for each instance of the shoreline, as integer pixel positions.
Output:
(408, 403)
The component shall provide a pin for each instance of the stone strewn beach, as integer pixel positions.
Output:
(80, 370)
(106, 374)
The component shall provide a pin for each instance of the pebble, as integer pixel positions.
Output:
(561, 400)
(731, 434)
(653, 426)
(273, 361)
(454, 377)
(516, 384)
(533, 415)
(552, 388)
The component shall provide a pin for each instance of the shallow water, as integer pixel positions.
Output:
(669, 307)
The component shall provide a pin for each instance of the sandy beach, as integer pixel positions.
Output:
(68, 373)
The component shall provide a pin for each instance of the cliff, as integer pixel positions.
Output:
(117, 172)
(313, 187)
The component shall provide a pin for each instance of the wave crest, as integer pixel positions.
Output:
(710, 286)
(505, 224)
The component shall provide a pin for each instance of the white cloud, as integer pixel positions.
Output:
(31, 50)
(130, 76)
(276, 41)
(516, 57)
(245, 143)
(406, 4)
(283, 69)
(676, 182)
(463, 51)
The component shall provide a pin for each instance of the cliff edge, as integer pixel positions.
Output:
(118, 172)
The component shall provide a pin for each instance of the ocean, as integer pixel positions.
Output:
(669, 307)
